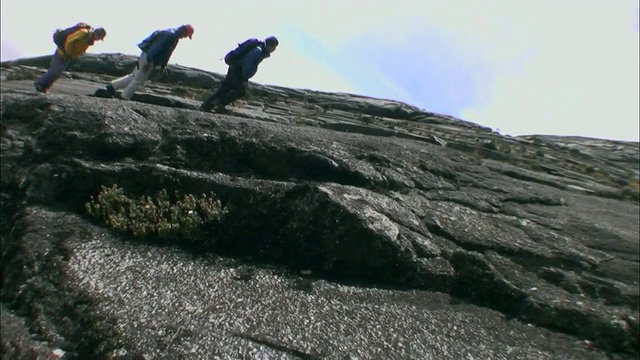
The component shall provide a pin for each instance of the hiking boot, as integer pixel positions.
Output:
(110, 90)
(39, 87)
(221, 109)
(208, 104)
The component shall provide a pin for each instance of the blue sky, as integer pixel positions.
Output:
(564, 67)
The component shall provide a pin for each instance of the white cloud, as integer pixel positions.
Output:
(9, 50)
(581, 78)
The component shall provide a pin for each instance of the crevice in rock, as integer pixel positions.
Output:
(524, 177)
(254, 160)
(334, 243)
(534, 200)
(589, 286)
(527, 259)
(481, 284)
(477, 281)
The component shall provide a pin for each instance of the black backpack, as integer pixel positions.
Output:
(60, 35)
(235, 56)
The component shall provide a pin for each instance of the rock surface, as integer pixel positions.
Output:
(357, 228)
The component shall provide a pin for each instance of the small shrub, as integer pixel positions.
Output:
(632, 190)
(490, 145)
(155, 216)
(368, 119)
(180, 91)
(271, 99)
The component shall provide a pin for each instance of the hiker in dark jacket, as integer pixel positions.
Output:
(75, 45)
(156, 51)
(234, 85)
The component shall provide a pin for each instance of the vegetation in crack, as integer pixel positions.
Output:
(182, 217)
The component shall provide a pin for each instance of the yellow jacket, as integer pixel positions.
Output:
(77, 44)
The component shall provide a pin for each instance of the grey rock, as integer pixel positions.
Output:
(408, 235)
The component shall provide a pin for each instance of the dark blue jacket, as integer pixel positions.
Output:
(162, 47)
(253, 59)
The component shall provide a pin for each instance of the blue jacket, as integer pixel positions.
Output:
(252, 60)
(162, 47)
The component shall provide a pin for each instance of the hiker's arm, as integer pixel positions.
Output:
(250, 64)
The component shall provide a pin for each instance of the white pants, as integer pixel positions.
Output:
(134, 81)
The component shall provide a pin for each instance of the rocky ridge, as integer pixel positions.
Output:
(347, 217)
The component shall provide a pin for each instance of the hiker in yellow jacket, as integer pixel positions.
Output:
(72, 43)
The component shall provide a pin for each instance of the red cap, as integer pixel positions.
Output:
(189, 30)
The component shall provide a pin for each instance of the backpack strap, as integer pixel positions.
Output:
(88, 37)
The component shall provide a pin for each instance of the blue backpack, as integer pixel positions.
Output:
(235, 56)
(145, 45)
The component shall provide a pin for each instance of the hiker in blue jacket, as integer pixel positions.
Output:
(156, 51)
(243, 64)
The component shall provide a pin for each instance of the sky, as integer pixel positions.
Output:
(520, 67)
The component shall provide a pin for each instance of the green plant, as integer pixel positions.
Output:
(574, 152)
(368, 119)
(490, 145)
(632, 190)
(309, 106)
(155, 216)
(191, 93)
(271, 99)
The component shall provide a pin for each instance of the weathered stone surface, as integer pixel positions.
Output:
(341, 226)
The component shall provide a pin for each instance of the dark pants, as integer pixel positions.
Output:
(57, 67)
(231, 89)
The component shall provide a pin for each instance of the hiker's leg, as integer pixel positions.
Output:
(231, 96)
(140, 76)
(208, 103)
(225, 87)
(237, 91)
(123, 82)
(56, 69)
